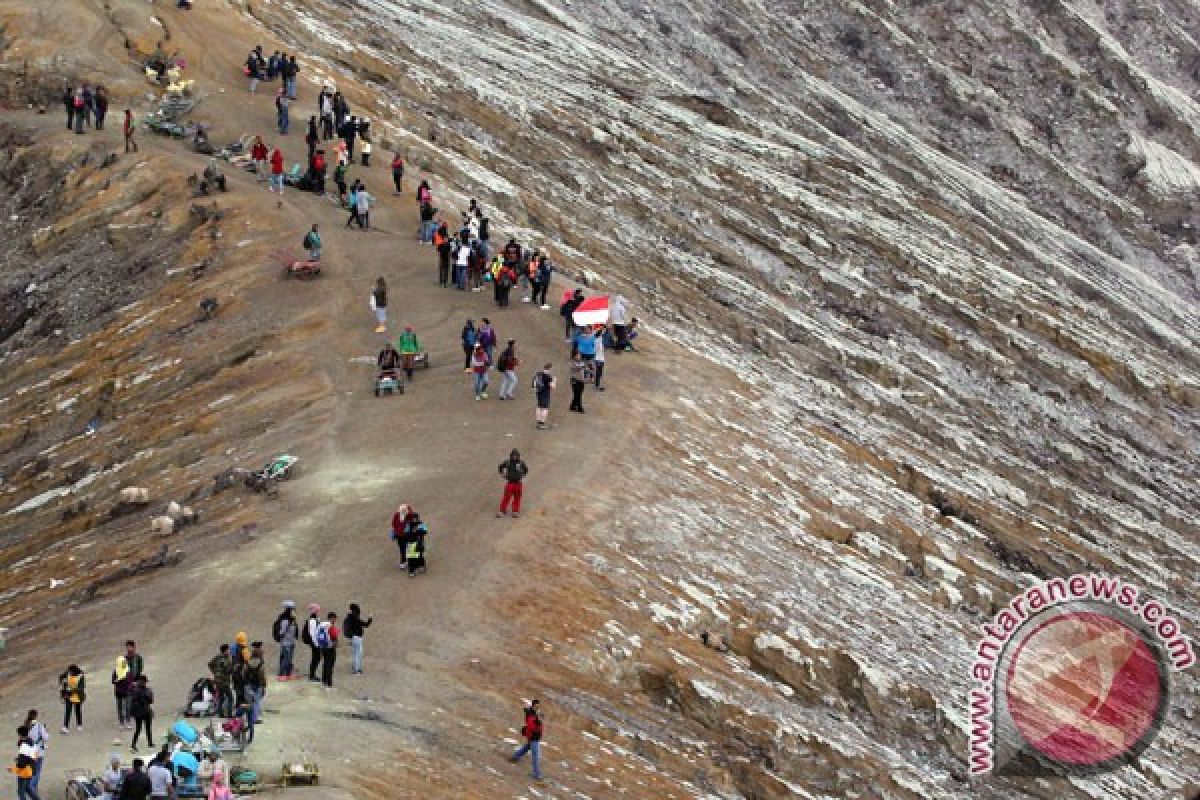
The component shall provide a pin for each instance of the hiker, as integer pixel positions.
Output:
(584, 343)
(80, 110)
(479, 363)
(582, 373)
(23, 766)
(254, 681)
(532, 731)
(540, 281)
(311, 137)
(272, 66)
(282, 112)
(424, 194)
(427, 226)
(388, 361)
(462, 264)
(327, 640)
(363, 201)
(487, 337)
(122, 683)
(414, 546)
(398, 173)
(441, 240)
(631, 333)
(339, 180)
(221, 668)
(567, 309)
(276, 183)
(312, 243)
(162, 782)
(135, 786)
(112, 778)
(39, 737)
(617, 315)
(506, 279)
(514, 471)
(68, 101)
(100, 104)
(469, 337)
(284, 631)
(253, 70)
(366, 149)
(309, 637)
(507, 364)
(543, 385)
(141, 706)
(354, 628)
(352, 203)
(409, 348)
(291, 70)
(348, 132)
(598, 358)
(316, 169)
(128, 130)
(258, 153)
(72, 690)
(379, 304)
(325, 110)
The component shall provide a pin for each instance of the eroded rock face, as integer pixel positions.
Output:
(948, 252)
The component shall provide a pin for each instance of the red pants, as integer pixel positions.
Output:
(512, 491)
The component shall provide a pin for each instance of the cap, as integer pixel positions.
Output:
(289, 603)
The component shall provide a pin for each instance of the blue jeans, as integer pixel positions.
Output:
(314, 254)
(460, 277)
(534, 748)
(25, 790)
(286, 654)
(509, 384)
(254, 697)
(291, 88)
(37, 773)
(481, 382)
(356, 653)
(284, 119)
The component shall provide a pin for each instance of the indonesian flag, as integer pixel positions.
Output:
(592, 311)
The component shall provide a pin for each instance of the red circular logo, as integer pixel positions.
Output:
(1084, 688)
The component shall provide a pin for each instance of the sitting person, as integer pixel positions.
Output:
(631, 333)
(212, 766)
(200, 141)
(213, 176)
(388, 361)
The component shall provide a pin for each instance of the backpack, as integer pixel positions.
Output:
(506, 281)
(305, 636)
(307, 238)
(281, 625)
(539, 381)
(323, 640)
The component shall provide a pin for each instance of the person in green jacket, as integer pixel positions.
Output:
(408, 347)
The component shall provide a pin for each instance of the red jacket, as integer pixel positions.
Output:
(277, 162)
(532, 729)
(259, 152)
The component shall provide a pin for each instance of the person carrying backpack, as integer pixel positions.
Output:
(254, 681)
(532, 731)
(567, 309)
(507, 364)
(414, 546)
(327, 640)
(312, 243)
(22, 767)
(309, 637)
(543, 385)
(398, 173)
(221, 667)
(469, 337)
(284, 631)
(339, 179)
(478, 365)
(514, 471)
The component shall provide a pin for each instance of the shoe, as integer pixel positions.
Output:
(516, 514)
(484, 395)
(132, 749)
(380, 329)
(599, 388)
(79, 729)
(477, 397)
(466, 369)
(64, 730)
(499, 514)
(545, 308)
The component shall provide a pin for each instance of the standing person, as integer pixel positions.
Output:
(584, 343)
(161, 780)
(487, 338)
(40, 737)
(363, 200)
(532, 731)
(582, 374)
(276, 184)
(80, 110)
(441, 240)
(541, 283)
(254, 681)
(141, 706)
(479, 367)
(339, 179)
(283, 112)
(325, 109)
(462, 265)
(543, 385)
(221, 668)
(23, 767)
(514, 471)
(100, 101)
(354, 628)
(618, 316)
(68, 101)
(89, 104)
(318, 166)
(506, 279)
(72, 689)
(122, 683)
(327, 640)
(414, 546)
(366, 150)
(111, 779)
(507, 364)
(469, 337)
(253, 71)
(136, 786)
(312, 243)
(285, 630)
(398, 173)
(567, 309)
(349, 132)
(293, 69)
(309, 637)
(137, 665)
(258, 152)
(311, 137)
(128, 130)
(379, 303)
(598, 360)
(409, 347)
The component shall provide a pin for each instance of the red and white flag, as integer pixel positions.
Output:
(592, 311)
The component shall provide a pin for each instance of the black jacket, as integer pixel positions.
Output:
(514, 470)
(136, 786)
(355, 625)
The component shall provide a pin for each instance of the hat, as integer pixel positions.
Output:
(289, 603)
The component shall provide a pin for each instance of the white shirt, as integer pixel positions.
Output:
(464, 256)
(39, 736)
(600, 348)
(160, 780)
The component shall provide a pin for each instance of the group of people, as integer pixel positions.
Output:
(409, 532)
(86, 106)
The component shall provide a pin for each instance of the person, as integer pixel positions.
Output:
(379, 303)
(462, 264)
(284, 631)
(487, 337)
(424, 194)
(217, 790)
(532, 731)
(276, 184)
(469, 337)
(327, 640)
(409, 347)
(631, 333)
(348, 132)
(582, 373)
(506, 279)
(479, 363)
(366, 151)
(213, 766)
(128, 129)
(89, 104)
(100, 104)
(141, 706)
(325, 110)
(80, 110)
(23, 765)
(312, 243)
(221, 667)
(363, 200)
(293, 69)
(618, 315)
(507, 364)
(428, 225)
(339, 180)
(311, 136)
(414, 546)
(441, 241)
(402, 523)
(398, 173)
(258, 153)
(598, 359)
(354, 628)
(567, 309)
(584, 343)
(543, 385)
(309, 637)
(316, 169)
(112, 778)
(254, 681)
(40, 737)
(161, 780)
(240, 652)
(68, 101)
(253, 71)
(72, 689)
(136, 785)
(514, 471)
